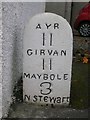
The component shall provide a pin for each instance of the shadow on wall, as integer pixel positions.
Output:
(56, 7)
(14, 16)
(16, 66)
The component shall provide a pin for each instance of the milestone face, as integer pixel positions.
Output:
(47, 53)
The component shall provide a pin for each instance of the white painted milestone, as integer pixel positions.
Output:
(47, 60)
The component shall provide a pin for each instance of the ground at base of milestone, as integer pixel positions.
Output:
(77, 109)
(25, 110)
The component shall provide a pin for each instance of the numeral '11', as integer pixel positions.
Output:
(50, 43)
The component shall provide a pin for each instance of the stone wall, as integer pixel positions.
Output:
(14, 17)
(61, 8)
(0, 61)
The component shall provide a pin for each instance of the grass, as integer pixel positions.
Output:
(79, 86)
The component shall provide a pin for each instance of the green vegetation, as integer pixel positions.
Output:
(79, 87)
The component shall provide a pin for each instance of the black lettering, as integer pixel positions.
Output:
(45, 76)
(29, 52)
(50, 52)
(59, 78)
(39, 76)
(65, 77)
(58, 100)
(42, 52)
(52, 99)
(34, 98)
(56, 25)
(36, 52)
(27, 75)
(48, 88)
(50, 64)
(46, 99)
(27, 98)
(48, 25)
(63, 52)
(38, 26)
(43, 64)
(55, 53)
(43, 39)
(33, 76)
(63, 99)
(40, 97)
(52, 77)
(50, 39)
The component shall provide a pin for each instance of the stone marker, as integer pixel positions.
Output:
(47, 63)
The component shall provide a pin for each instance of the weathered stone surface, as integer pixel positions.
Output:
(25, 110)
(47, 52)
(14, 17)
